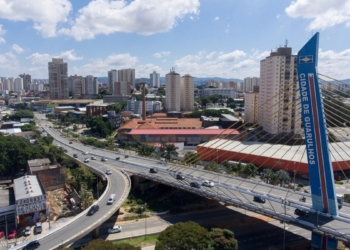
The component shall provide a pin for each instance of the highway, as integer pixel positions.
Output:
(280, 202)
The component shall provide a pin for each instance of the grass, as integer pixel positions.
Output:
(140, 241)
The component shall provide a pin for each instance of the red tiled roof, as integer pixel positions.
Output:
(183, 131)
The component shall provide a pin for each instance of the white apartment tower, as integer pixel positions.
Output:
(127, 75)
(186, 93)
(154, 80)
(78, 86)
(91, 85)
(172, 90)
(58, 79)
(112, 78)
(27, 80)
(251, 102)
(278, 110)
(250, 82)
(18, 85)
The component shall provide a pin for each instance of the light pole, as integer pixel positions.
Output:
(284, 205)
(294, 176)
(145, 221)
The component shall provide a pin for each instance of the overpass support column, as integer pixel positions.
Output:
(95, 233)
(322, 242)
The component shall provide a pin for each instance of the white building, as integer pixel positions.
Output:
(278, 110)
(127, 75)
(250, 82)
(58, 79)
(112, 78)
(27, 80)
(78, 86)
(154, 80)
(18, 85)
(172, 90)
(187, 93)
(224, 92)
(136, 106)
(251, 100)
(91, 85)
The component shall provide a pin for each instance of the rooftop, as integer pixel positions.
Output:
(66, 101)
(164, 123)
(183, 132)
(26, 187)
(38, 162)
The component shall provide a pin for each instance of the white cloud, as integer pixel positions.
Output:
(9, 62)
(45, 14)
(334, 64)
(232, 56)
(144, 17)
(216, 18)
(323, 13)
(17, 48)
(161, 54)
(2, 32)
(43, 59)
(69, 55)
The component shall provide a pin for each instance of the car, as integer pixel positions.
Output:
(114, 229)
(12, 233)
(111, 199)
(118, 158)
(108, 171)
(86, 160)
(103, 159)
(259, 199)
(126, 156)
(208, 183)
(38, 228)
(2, 233)
(153, 170)
(32, 245)
(180, 177)
(161, 162)
(50, 127)
(65, 150)
(93, 209)
(301, 212)
(195, 184)
(85, 153)
(93, 157)
(75, 156)
(27, 231)
(70, 142)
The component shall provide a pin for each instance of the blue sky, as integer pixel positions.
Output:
(204, 38)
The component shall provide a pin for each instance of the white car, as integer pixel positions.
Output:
(208, 183)
(93, 157)
(85, 153)
(111, 199)
(115, 229)
(86, 160)
(108, 171)
(103, 159)
(27, 231)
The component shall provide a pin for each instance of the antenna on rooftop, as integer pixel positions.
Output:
(286, 43)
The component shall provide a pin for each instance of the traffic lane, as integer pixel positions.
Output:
(83, 225)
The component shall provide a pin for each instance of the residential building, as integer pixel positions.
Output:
(154, 80)
(58, 79)
(78, 86)
(172, 90)
(127, 75)
(96, 109)
(27, 80)
(115, 98)
(122, 88)
(251, 101)
(250, 82)
(112, 78)
(186, 93)
(136, 106)
(279, 112)
(18, 85)
(91, 85)
(224, 92)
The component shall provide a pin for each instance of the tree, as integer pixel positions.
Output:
(231, 105)
(184, 236)
(191, 158)
(205, 101)
(266, 175)
(170, 150)
(100, 244)
(28, 127)
(161, 91)
(283, 177)
(223, 239)
(145, 149)
(249, 170)
(86, 198)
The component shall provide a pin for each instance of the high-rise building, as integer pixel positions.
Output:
(91, 85)
(279, 112)
(250, 82)
(18, 85)
(78, 86)
(154, 80)
(58, 79)
(112, 78)
(127, 75)
(122, 88)
(172, 90)
(27, 80)
(187, 93)
(251, 101)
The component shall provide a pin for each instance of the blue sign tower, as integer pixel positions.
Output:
(323, 194)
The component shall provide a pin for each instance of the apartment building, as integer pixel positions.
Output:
(58, 79)
(172, 90)
(186, 93)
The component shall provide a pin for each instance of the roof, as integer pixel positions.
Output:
(279, 151)
(11, 131)
(38, 162)
(26, 187)
(229, 117)
(183, 131)
(165, 123)
(66, 101)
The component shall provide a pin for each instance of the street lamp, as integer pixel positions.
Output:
(284, 205)
(145, 221)
(294, 176)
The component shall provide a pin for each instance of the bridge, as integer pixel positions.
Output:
(326, 222)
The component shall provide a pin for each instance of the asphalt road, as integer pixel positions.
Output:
(234, 190)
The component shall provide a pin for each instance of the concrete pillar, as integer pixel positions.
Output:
(95, 234)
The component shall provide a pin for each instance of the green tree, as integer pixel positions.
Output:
(223, 239)
(283, 177)
(161, 91)
(28, 127)
(145, 149)
(25, 113)
(87, 199)
(205, 101)
(231, 105)
(191, 158)
(100, 244)
(117, 107)
(266, 175)
(184, 236)
(249, 170)
(170, 150)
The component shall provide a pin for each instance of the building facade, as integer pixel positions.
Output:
(18, 85)
(154, 80)
(78, 86)
(172, 90)
(27, 80)
(136, 106)
(112, 78)
(91, 85)
(127, 75)
(279, 112)
(251, 101)
(186, 93)
(122, 88)
(58, 79)
(250, 82)
(224, 92)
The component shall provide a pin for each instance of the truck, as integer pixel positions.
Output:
(340, 200)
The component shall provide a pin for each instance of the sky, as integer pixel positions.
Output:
(203, 38)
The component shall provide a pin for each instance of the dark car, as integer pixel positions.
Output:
(32, 245)
(93, 209)
(75, 156)
(180, 177)
(153, 170)
(126, 156)
(118, 158)
(195, 184)
(259, 199)
(301, 212)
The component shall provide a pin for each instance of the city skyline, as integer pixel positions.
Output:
(197, 37)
